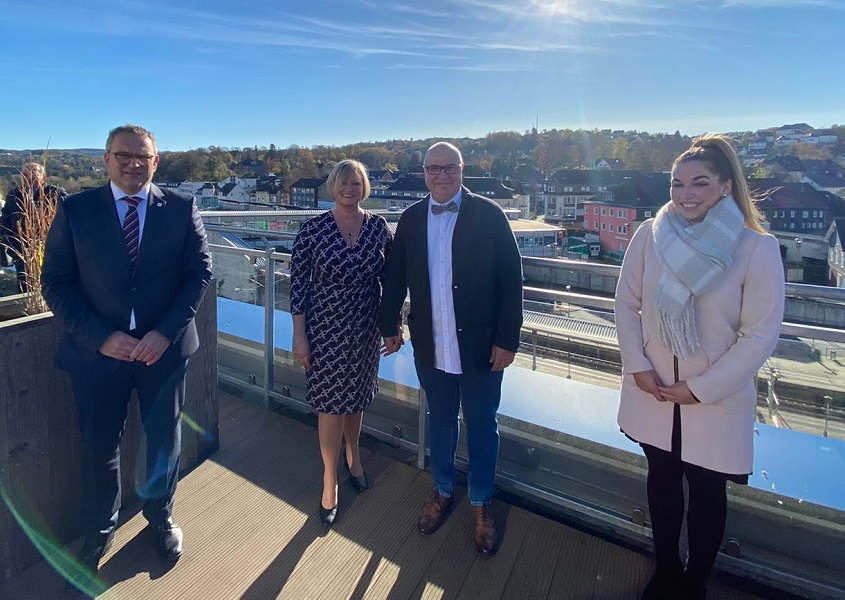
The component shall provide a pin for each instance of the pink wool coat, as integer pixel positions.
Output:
(738, 323)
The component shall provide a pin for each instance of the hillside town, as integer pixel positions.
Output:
(562, 201)
(592, 211)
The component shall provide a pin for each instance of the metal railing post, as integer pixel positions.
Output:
(269, 323)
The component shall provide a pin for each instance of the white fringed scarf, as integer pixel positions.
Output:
(693, 258)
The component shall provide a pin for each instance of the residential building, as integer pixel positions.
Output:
(566, 191)
(410, 187)
(786, 167)
(636, 199)
(604, 164)
(836, 252)
(826, 183)
(310, 193)
(792, 207)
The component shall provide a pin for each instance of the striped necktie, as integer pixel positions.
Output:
(131, 227)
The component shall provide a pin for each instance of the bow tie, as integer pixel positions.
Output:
(450, 206)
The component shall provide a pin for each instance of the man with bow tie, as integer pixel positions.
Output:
(457, 255)
(125, 269)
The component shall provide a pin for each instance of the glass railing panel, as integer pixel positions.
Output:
(559, 440)
(239, 282)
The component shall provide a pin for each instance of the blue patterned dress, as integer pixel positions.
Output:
(338, 290)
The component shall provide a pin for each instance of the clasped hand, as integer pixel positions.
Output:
(391, 344)
(678, 392)
(123, 346)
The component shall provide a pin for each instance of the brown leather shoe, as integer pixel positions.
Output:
(434, 513)
(484, 530)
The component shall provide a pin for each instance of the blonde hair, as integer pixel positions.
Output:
(342, 171)
(717, 153)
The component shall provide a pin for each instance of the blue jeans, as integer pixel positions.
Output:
(478, 394)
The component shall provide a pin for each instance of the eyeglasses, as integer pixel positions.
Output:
(125, 158)
(435, 169)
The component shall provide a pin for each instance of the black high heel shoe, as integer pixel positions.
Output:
(327, 515)
(359, 483)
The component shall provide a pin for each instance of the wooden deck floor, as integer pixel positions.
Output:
(251, 532)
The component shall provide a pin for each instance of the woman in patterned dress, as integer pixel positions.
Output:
(335, 292)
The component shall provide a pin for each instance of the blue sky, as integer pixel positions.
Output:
(200, 73)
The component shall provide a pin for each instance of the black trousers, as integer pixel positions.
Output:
(706, 514)
(103, 407)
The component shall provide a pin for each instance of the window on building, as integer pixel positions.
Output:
(647, 214)
(603, 226)
(595, 210)
(805, 214)
(792, 214)
(603, 212)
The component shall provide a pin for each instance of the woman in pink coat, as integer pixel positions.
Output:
(699, 307)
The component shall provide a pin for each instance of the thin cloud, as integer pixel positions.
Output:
(797, 4)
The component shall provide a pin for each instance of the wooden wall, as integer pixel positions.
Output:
(39, 437)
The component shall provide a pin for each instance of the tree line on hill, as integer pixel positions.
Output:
(505, 154)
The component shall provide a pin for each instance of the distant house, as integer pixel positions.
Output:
(836, 253)
(825, 136)
(634, 200)
(381, 176)
(233, 192)
(815, 166)
(603, 163)
(794, 130)
(566, 191)
(826, 183)
(410, 188)
(785, 142)
(792, 207)
(402, 193)
(789, 168)
(267, 192)
(310, 193)
(758, 147)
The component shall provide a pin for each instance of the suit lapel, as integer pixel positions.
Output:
(109, 221)
(152, 223)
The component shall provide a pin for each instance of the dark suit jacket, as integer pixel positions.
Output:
(91, 287)
(486, 282)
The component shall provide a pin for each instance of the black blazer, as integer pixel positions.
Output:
(91, 287)
(486, 282)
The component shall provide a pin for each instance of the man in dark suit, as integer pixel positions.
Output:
(28, 198)
(125, 268)
(457, 255)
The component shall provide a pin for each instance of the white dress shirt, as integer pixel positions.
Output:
(122, 208)
(441, 227)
